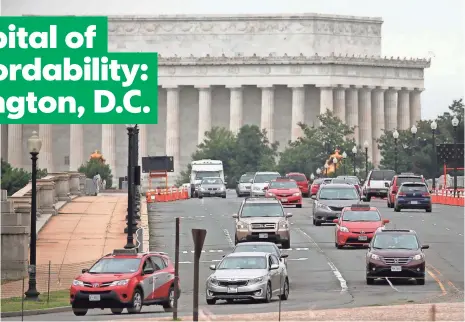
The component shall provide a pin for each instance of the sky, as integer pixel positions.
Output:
(412, 28)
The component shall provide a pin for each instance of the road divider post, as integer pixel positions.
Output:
(176, 271)
(198, 235)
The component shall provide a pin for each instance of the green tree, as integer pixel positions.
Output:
(14, 179)
(94, 167)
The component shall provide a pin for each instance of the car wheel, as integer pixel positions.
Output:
(285, 294)
(211, 302)
(339, 246)
(79, 312)
(317, 223)
(370, 281)
(224, 197)
(230, 301)
(168, 305)
(286, 244)
(429, 209)
(268, 294)
(396, 209)
(116, 310)
(368, 198)
(236, 241)
(420, 281)
(137, 302)
(299, 206)
(200, 197)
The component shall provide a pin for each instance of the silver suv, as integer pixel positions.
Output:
(260, 181)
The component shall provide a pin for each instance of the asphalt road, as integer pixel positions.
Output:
(321, 276)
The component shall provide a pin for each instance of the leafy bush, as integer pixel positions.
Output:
(96, 166)
(14, 179)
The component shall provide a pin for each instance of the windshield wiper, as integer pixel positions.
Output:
(346, 199)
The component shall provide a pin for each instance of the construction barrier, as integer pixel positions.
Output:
(446, 197)
(166, 194)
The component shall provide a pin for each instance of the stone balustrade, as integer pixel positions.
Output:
(53, 191)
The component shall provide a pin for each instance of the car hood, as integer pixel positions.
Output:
(339, 203)
(100, 278)
(250, 220)
(260, 185)
(239, 273)
(396, 252)
(208, 186)
(245, 184)
(284, 190)
(364, 225)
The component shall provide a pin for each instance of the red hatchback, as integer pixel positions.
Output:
(286, 191)
(397, 181)
(302, 182)
(124, 279)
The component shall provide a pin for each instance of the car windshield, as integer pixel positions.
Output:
(245, 262)
(245, 178)
(247, 248)
(115, 266)
(212, 181)
(354, 215)
(262, 178)
(382, 175)
(401, 180)
(205, 174)
(262, 210)
(339, 193)
(318, 181)
(283, 185)
(395, 241)
(297, 177)
(413, 187)
(338, 181)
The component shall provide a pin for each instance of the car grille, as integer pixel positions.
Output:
(283, 194)
(264, 226)
(233, 283)
(214, 189)
(396, 260)
(104, 284)
(336, 208)
(362, 232)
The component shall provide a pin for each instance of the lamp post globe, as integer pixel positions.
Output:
(318, 171)
(414, 129)
(434, 125)
(395, 135)
(334, 160)
(312, 176)
(455, 121)
(34, 143)
(366, 144)
(344, 155)
(354, 150)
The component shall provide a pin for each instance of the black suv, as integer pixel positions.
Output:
(396, 254)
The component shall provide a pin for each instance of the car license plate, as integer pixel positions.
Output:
(94, 297)
(262, 235)
(414, 202)
(396, 268)
(363, 238)
(284, 200)
(232, 289)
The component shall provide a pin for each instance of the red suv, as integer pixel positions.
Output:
(302, 182)
(124, 279)
(397, 181)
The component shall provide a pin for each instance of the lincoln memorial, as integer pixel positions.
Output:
(229, 70)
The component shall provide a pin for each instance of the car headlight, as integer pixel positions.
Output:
(375, 257)
(270, 194)
(78, 283)
(221, 188)
(283, 224)
(418, 257)
(297, 194)
(256, 280)
(214, 281)
(322, 206)
(120, 283)
(257, 188)
(343, 229)
(242, 225)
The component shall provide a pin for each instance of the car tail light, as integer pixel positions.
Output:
(401, 194)
(425, 194)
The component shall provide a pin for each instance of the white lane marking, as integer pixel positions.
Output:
(434, 224)
(301, 249)
(184, 252)
(447, 229)
(228, 237)
(460, 234)
(298, 259)
(390, 283)
(333, 267)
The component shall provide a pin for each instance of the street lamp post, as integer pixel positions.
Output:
(366, 145)
(130, 237)
(434, 126)
(455, 123)
(354, 154)
(34, 143)
(414, 131)
(335, 165)
(326, 169)
(344, 157)
(395, 134)
(318, 172)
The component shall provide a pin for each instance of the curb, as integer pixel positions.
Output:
(36, 312)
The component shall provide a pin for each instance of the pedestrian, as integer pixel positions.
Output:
(96, 180)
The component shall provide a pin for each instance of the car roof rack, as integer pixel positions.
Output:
(361, 205)
(397, 230)
(130, 251)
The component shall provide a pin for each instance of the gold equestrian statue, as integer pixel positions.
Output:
(330, 163)
(97, 156)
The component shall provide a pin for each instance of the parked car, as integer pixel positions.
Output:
(124, 279)
(375, 184)
(413, 195)
(212, 187)
(243, 186)
(285, 190)
(396, 182)
(396, 253)
(302, 182)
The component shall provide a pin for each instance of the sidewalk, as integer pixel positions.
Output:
(83, 231)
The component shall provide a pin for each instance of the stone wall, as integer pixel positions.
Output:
(53, 191)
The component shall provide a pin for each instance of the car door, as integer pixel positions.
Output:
(274, 273)
(163, 278)
(148, 281)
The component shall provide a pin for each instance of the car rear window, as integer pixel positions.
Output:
(283, 185)
(262, 178)
(382, 175)
(349, 193)
(338, 181)
(401, 180)
(414, 187)
(246, 178)
(318, 181)
(297, 177)
(353, 215)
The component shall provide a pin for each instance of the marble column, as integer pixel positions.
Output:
(339, 99)
(142, 142)
(205, 112)
(267, 112)
(109, 146)
(15, 145)
(415, 105)
(76, 146)
(364, 118)
(172, 128)
(46, 153)
(352, 110)
(377, 121)
(390, 108)
(235, 109)
(298, 111)
(326, 99)
(403, 109)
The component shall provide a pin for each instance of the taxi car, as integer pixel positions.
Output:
(357, 225)
(285, 190)
(124, 279)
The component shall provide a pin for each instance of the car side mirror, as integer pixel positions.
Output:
(223, 256)
(148, 270)
(335, 221)
(225, 183)
(425, 247)
(235, 216)
(386, 221)
(212, 267)
(274, 266)
(313, 197)
(386, 184)
(288, 215)
(284, 255)
(84, 270)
